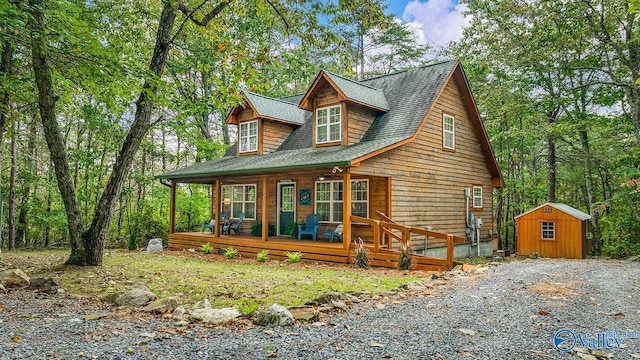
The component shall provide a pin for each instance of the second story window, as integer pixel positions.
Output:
(249, 136)
(328, 124)
(448, 132)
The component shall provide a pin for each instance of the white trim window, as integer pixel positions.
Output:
(329, 199)
(477, 197)
(249, 136)
(328, 124)
(548, 230)
(448, 132)
(238, 199)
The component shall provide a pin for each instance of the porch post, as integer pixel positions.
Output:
(216, 206)
(389, 200)
(172, 208)
(346, 210)
(265, 218)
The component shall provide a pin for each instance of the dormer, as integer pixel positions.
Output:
(342, 109)
(263, 123)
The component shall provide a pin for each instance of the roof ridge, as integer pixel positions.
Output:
(412, 69)
(359, 82)
(270, 98)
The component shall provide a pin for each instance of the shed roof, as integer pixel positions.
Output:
(562, 207)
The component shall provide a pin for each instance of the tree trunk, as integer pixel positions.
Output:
(6, 66)
(55, 142)
(23, 223)
(95, 237)
(12, 191)
(551, 160)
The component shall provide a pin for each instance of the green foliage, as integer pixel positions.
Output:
(230, 253)
(262, 256)
(256, 229)
(293, 257)
(406, 257)
(292, 229)
(361, 257)
(132, 243)
(206, 248)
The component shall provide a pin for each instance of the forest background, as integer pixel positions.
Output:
(97, 97)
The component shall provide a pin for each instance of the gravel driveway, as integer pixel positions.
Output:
(508, 311)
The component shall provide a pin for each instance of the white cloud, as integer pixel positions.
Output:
(441, 21)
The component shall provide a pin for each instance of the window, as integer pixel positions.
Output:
(548, 230)
(477, 197)
(448, 132)
(249, 136)
(328, 124)
(330, 195)
(237, 199)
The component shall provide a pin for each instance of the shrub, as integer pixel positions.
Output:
(206, 248)
(292, 229)
(132, 243)
(256, 229)
(230, 252)
(262, 256)
(406, 254)
(362, 254)
(293, 257)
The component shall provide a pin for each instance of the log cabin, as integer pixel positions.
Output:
(400, 159)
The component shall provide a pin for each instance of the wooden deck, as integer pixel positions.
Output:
(314, 251)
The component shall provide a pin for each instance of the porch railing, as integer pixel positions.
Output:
(384, 235)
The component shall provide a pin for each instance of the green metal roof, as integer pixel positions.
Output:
(360, 92)
(276, 108)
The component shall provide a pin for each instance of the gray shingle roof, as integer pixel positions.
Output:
(410, 94)
(562, 207)
(276, 108)
(360, 92)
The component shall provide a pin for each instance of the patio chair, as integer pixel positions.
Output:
(335, 232)
(235, 227)
(209, 224)
(310, 226)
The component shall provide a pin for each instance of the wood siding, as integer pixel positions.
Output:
(272, 135)
(360, 119)
(326, 96)
(428, 183)
(569, 236)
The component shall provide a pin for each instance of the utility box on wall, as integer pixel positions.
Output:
(554, 230)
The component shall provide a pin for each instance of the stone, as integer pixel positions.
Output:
(191, 251)
(135, 298)
(335, 296)
(275, 315)
(339, 305)
(155, 245)
(46, 285)
(110, 298)
(304, 314)
(215, 316)
(2, 288)
(14, 278)
(202, 304)
(161, 306)
(179, 313)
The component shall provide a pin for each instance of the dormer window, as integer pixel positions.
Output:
(249, 136)
(328, 124)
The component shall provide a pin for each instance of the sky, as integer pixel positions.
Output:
(440, 21)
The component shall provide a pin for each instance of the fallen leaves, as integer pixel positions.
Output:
(376, 344)
(272, 356)
(544, 312)
(92, 317)
(467, 331)
(15, 339)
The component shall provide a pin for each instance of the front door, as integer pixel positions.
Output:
(286, 206)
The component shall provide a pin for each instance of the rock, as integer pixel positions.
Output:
(275, 315)
(181, 323)
(215, 316)
(339, 305)
(191, 250)
(162, 305)
(202, 304)
(304, 314)
(45, 285)
(634, 258)
(179, 313)
(135, 298)
(110, 298)
(2, 288)
(14, 278)
(335, 296)
(155, 245)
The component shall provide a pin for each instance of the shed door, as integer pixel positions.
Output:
(286, 206)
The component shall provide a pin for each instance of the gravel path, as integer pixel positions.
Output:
(510, 311)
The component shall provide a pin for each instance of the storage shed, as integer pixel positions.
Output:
(554, 230)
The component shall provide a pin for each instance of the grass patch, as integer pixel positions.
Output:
(474, 260)
(248, 285)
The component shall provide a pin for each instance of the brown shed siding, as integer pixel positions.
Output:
(273, 134)
(568, 242)
(360, 119)
(427, 182)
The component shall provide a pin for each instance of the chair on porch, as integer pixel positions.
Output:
(310, 226)
(235, 227)
(335, 232)
(209, 224)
